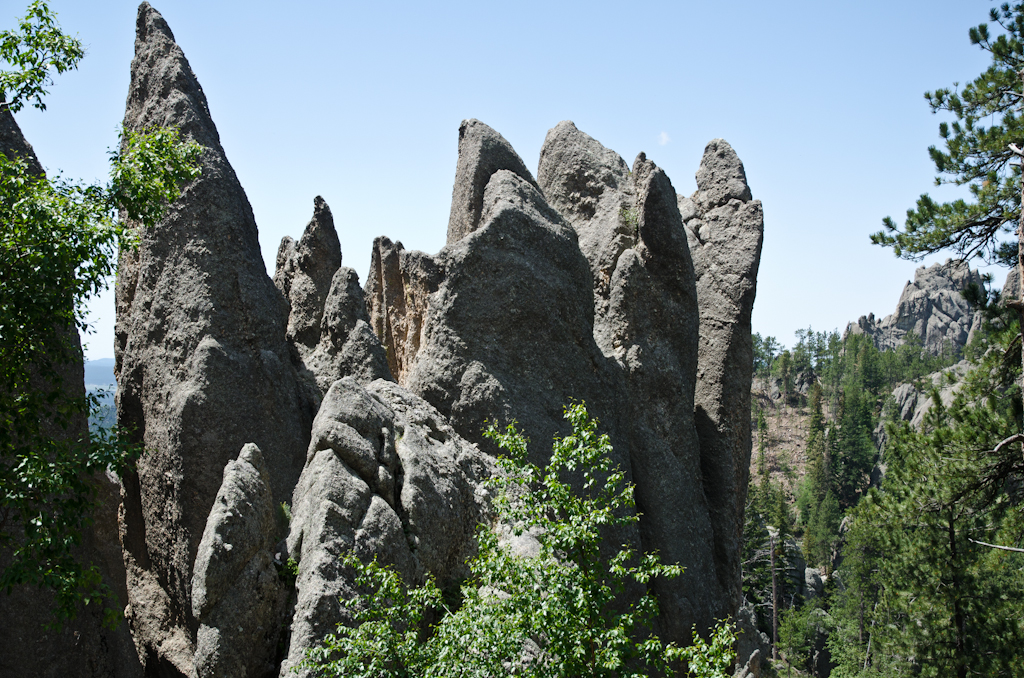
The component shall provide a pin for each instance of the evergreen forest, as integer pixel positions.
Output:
(874, 547)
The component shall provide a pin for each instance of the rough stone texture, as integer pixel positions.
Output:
(305, 270)
(83, 647)
(398, 294)
(725, 229)
(482, 152)
(237, 596)
(203, 366)
(385, 475)
(348, 347)
(932, 307)
(591, 187)
(910, 404)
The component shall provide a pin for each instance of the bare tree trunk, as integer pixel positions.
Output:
(775, 601)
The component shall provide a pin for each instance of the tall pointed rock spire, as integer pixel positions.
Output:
(203, 366)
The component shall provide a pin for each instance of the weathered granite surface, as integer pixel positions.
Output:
(202, 362)
(932, 307)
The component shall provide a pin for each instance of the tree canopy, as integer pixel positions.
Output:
(59, 241)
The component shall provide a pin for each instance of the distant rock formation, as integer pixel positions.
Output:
(363, 408)
(932, 307)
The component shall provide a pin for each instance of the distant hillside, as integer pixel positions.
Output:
(99, 381)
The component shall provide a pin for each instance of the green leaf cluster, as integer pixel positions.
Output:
(977, 154)
(32, 52)
(59, 242)
(568, 611)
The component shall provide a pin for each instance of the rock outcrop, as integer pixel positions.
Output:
(328, 326)
(482, 152)
(237, 596)
(724, 228)
(592, 283)
(586, 289)
(385, 476)
(84, 646)
(203, 365)
(932, 307)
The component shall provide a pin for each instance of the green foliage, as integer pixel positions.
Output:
(566, 612)
(58, 246)
(32, 51)
(919, 584)
(976, 154)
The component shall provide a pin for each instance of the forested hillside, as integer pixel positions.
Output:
(880, 533)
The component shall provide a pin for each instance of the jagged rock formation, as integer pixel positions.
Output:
(203, 366)
(328, 326)
(385, 476)
(1011, 286)
(304, 273)
(724, 228)
(84, 646)
(475, 333)
(587, 283)
(932, 307)
(482, 152)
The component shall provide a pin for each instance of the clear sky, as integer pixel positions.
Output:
(361, 103)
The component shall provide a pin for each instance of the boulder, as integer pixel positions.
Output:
(724, 229)
(237, 596)
(202, 361)
(482, 152)
(385, 476)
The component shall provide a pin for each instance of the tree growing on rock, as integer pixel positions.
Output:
(560, 612)
(58, 247)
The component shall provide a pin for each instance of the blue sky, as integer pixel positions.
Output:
(361, 103)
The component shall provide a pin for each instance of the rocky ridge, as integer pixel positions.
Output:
(932, 307)
(362, 409)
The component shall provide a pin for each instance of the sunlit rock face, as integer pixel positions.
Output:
(931, 307)
(363, 408)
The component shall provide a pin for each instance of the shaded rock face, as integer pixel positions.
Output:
(237, 597)
(385, 476)
(932, 307)
(202, 363)
(84, 646)
(725, 229)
